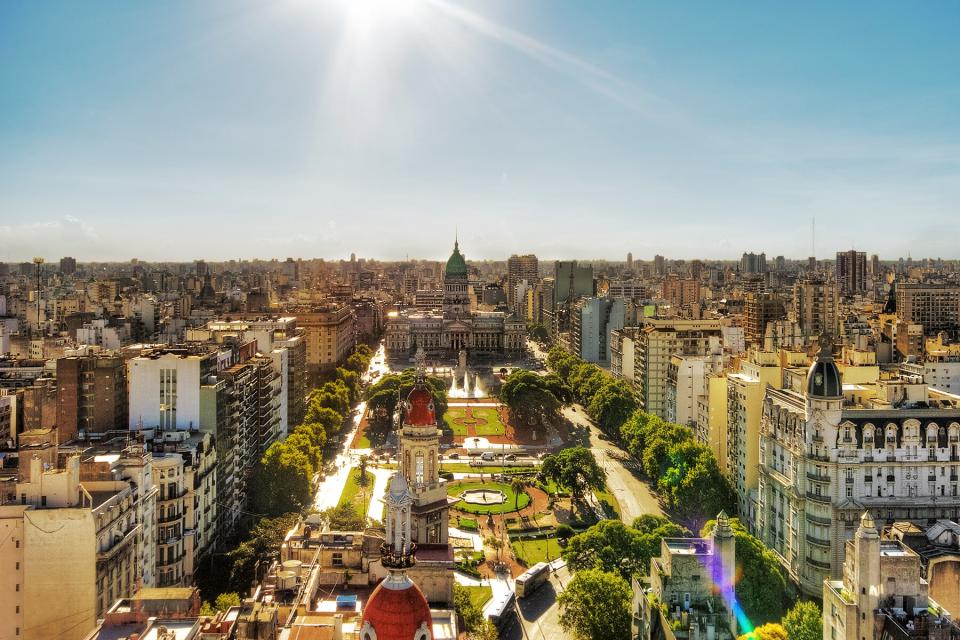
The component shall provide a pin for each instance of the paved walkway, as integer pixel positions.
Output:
(381, 478)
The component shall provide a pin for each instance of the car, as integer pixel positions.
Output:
(454, 456)
(487, 456)
(510, 456)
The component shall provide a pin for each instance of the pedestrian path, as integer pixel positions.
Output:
(381, 478)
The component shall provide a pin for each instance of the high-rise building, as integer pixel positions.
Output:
(649, 348)
(659, 265)
(935, 306)
(591, 324)
(815, 306)
(520, 268)
(68, 266)
(680, 292)
(629, 260)
(874, 265)
(753, 263)
(91, 394)
(851, 270)
(760, 309)
(572, 281)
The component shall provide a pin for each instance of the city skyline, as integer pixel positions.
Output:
(237, 130)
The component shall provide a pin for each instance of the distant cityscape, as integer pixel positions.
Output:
(142, 406)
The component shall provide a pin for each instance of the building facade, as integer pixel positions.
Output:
(457, 327)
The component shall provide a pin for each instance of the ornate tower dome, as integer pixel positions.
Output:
(397, 608)
(456, 265)
(823, 379)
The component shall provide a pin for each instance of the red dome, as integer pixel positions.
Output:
(397, 610)
(420, 408)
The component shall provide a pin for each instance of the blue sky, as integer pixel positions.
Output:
(313, 128)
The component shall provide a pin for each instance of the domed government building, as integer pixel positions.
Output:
(457, 326)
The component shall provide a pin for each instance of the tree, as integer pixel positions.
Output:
(301, 441)
(344, 517)
(333, 395)
(576, 469)
(612, 405)
(564, 532)
(613, 546)
(517, 485)
(529, 398)
(596, 606)
(585, 380)
(462, 603)
(761, 587)
(771, 631)
(329, 420)
(283, 480)
(262, 545)
(364, 461)
(350, 379)
(609, 546)
(538, 333)
(803, 622)
(561, 362)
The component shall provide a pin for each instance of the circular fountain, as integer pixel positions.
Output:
(483, 496)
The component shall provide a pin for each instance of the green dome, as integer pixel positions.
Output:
(456, 265)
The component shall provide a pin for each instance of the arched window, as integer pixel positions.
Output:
(419, 479)
(868, 436)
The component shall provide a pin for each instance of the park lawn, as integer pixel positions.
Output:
(530, 552)
(363, 443)
(479, 596)
(609, 501)
(467, 524)
(465, 467)
(459, 486)
(354, 494)
(489, 417)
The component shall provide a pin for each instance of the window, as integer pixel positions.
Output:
(337, 559)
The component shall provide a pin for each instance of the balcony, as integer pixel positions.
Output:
(818, 497)
(823, 522)
(170, 517)
(168, 561)
(820, 542)
(820, 564)
(817, 477)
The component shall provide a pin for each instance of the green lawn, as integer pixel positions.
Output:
(363, 443)
(487, 421)
(356, 495)
(465, 467)
(610, 503)
(530, 552)
(479, 596)
(458, 487)
(467, 524)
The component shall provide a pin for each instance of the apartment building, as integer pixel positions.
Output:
(935, 306)
(815, 306)
(329, 332)
(829, 452)
(91, 394)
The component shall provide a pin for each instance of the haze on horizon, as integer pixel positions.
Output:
(316, 128)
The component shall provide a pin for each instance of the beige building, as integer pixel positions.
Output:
(330, 334)
(882, 593)
(831, 451)
(815, 306)
(653, 343)
(690, 593)
(48, 558)
(935, 306)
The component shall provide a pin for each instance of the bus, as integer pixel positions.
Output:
(531, 579)
(501, 610)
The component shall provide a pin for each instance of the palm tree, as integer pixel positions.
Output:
(517, 485)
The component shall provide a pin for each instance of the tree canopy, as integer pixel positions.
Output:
(770, 631)
(612, 546)
(803, 622)
(530, 397)
(283, 480)
(382, 396)
(596, 606)
(761, 587)
(576, 469)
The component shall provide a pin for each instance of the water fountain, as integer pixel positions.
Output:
(464, 383)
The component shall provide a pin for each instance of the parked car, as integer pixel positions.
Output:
(487, 456)
(510, 456)
(454, 456)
